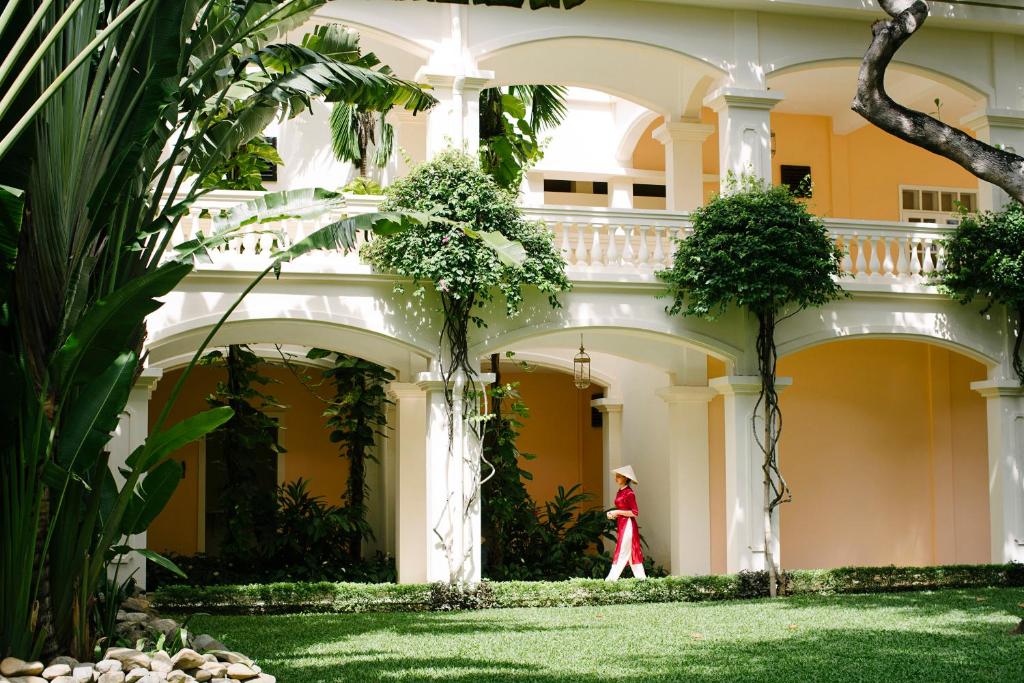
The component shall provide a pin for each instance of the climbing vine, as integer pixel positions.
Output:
(984, 258)
(758, 248)
(464, 271)
(356, 416)
(249, 507)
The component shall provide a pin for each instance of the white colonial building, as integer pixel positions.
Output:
(904, 423)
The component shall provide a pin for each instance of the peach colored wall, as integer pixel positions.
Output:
(310, 454)
(884, 447)
(855, 176)
(558, 432)
(879, 163)
(716, 470)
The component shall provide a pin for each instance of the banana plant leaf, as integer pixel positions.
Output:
(150, 496)
(163, 443)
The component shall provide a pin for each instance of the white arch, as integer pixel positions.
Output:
(630, 139)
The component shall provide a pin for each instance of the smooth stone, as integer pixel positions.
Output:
(232, 657)
(64, 679)
(177, 676)
(222, 680)
(82, 672)
(265, 678)
(135, 617)
(12, 666)
(241, 672)
(205, 641)
(216, 669)
(105, 665)
(136, 604)
(70, 661)
(165, 626)
(202, 675)
(187, 659)
(112, 676)
(209, 658)
(136, 674)
(56, 670)
(161, 663)
(27, 679)
(129, 658)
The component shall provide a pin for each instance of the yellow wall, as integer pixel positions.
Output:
(568, 449)
(310, 454)
(884, 446)
(855, 176)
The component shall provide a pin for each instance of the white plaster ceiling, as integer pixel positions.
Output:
(828, 91)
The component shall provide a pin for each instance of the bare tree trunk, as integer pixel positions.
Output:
(997, 166)
(776, 491)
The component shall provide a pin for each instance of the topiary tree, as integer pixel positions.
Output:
(458, 258)
(756, 248)
(984, 258)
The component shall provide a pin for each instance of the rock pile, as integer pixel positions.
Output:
(204, 660)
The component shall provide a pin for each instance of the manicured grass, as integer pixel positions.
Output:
(951, 635)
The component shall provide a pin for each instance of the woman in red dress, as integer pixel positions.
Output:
(627, 549)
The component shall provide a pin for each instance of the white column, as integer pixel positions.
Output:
(611, 436)
(132, 430)
(409, 431)
(690, 522)
(1003, 128)
(621, 191)
(744, 478)
(684, 162)
(455, 119)
(410, 140)
(1005, 408)
(744, 130)
(531, 191)
(452, 486)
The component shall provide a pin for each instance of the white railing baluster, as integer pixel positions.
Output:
(596, 250)
(581, 245)
(611, 257)
(874, 263)
(847, 263)
(929, 263)
(862, 261)
(887, 266)
(565, 249)
(940, 257)
(902, 263)
(915, 260)
(643, 258)
(659, 248)
(628, 254)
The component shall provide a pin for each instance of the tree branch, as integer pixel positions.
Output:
(997, 166)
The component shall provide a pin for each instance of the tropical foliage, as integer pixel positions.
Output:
(98, 118)
(248, 508)
(356, 418)
(984, 259)
(759, 249)
(511, 122)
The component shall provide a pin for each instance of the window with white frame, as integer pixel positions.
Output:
(935, 205)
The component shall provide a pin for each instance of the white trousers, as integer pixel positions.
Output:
(625, 554)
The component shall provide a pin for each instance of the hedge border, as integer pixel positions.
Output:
(288, 598)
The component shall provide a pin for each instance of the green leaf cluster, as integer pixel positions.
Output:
(511, 122)
(984, 259)
(444, 255)
(757, 248)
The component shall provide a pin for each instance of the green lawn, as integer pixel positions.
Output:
(953, 635)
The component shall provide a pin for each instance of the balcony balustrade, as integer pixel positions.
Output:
(598, 244)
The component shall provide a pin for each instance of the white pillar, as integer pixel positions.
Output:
(531, 191)
(1005, 408)
(132, 430)
(409, 430)
(452, 486)
(744, 130)
(611, 436)
(410, 142)
(621, 191)
(684, 162)
(455, 119)
(744, 478)
(689, 477)
(1003, 128)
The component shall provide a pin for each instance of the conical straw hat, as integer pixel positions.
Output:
(627, 472)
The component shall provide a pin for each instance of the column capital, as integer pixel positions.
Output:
(400, 390)
(684, 393)
(994, 116)
(607, 405)
(434, 381)
(683, 131)
(147, 381)
(742, 98)
(467, 81)
(999, 388)
(733, 385)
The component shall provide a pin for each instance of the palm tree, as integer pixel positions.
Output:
(109, 124)
(511, 121)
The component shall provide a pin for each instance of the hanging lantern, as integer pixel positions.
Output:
(581, 368)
